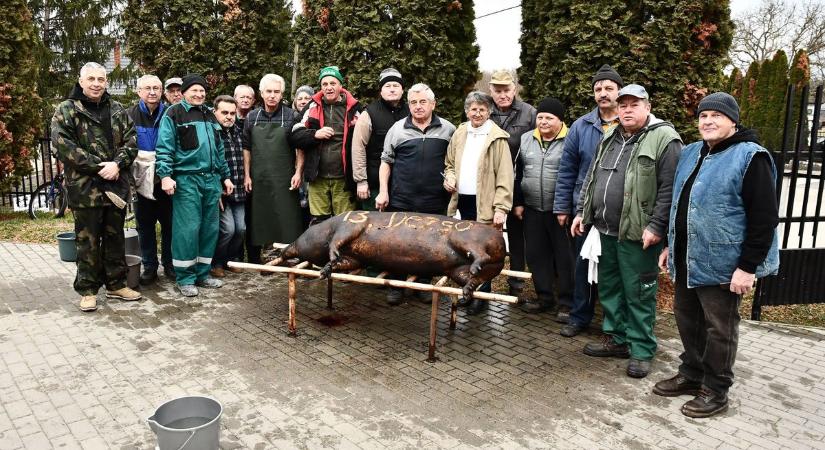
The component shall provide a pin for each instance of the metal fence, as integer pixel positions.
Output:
(44, 167)
(801, 277)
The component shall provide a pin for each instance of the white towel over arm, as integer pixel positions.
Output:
(591, 250)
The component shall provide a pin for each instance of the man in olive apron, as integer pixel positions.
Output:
(272, 167)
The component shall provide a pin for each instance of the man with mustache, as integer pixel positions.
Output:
(627, 196)
(579, 147)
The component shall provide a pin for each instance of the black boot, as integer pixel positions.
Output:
(676, 386)
(148, 276)
(477, 307)
(706, 404)
(538, 306)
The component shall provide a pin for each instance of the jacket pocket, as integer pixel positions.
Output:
(188, 136)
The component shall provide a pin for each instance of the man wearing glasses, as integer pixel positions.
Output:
(626, 197)
(153, 205)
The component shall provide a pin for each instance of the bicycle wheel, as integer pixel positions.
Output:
(48, 197)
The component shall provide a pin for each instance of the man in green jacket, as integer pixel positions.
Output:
(94, 138)
(192, 167)
(626, 196)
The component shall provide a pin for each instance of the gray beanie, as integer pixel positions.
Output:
(722, 102)
(306, 89)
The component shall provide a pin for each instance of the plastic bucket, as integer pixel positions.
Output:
(192, 423)
(67, 246)
(132, 271)
(130, 235)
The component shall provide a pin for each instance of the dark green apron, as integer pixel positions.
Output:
(276, 211)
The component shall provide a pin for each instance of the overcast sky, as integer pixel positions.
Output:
(498, 34)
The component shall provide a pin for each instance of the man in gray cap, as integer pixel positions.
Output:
(724, 191)
(172, 92)
(579, 147)
(370, 131)
(516, 118)
(627, 196)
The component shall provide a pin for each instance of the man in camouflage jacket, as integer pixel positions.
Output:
(95, 140)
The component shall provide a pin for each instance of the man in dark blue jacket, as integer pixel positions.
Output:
(153, 205)
(579, 147)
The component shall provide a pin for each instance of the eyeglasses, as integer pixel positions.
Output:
(152, 88)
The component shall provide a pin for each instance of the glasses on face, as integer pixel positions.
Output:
(152, 88)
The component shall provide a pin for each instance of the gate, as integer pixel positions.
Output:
(801, 277)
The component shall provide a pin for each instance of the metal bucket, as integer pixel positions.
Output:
(67, 246)
(132, 271)
(130, 235)
(192, 423)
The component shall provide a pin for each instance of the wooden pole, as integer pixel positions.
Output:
(453, 311)
(434, 321)
(377, 281)
(292, 294)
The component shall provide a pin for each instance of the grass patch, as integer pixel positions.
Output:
(18, 227)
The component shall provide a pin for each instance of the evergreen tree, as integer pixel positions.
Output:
(73, 32)
(746, 97)
(771, 94)
(676, 49)
(229, 42)
(19, 103)
(800, 75)
(429, 41)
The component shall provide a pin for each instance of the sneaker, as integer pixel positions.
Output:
(125, 294)
(706, 404)
(395, 296)
(563, 315)
(209, 282)
(638, 368)
(88, 303)
(116, 200)
(148, 276)
(217, 272)
(676, 386)
(571, 330)
(169, 272)
(188, 290)
(607, 348)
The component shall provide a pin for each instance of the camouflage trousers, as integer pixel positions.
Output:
(101, 249)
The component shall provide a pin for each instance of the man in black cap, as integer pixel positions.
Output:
(579, 147)
(192, 168)
(370, 132)
(724, 193)
(549, 249)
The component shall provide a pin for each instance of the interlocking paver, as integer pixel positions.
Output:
(504, 380)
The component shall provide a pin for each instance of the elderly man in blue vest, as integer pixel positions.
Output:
(626, 196)
(724, 193)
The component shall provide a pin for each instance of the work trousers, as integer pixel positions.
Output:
(584, 293)
(549, 256)
(708, 321)
(148, 212)
(628, 281)
(101, 249)
(194, 225)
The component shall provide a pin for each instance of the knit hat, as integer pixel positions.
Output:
(305, 89)
(330, 71)
(607, 73)
(722, 102)
(192, 79)
(552, 106)
(389, 74)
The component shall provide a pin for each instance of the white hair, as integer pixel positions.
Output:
(242, 87)
(146, 79)
(89, 66)
(269, 78)
(421, 87)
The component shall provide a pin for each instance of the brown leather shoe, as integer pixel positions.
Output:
(607, 347)
(677, 385)
(706, 404)
(217, 272)
(88, 303)
(125, 294)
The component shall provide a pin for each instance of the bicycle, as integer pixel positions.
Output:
(52, 195)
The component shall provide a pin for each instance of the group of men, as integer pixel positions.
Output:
(598, 208)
